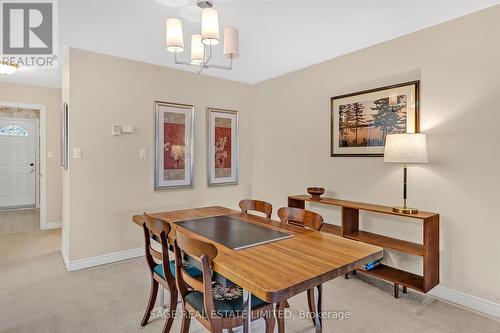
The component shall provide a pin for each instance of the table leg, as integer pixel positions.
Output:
(318, 327)
(247, 311)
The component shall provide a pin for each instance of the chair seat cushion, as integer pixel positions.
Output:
(228, 301)
(191, 270)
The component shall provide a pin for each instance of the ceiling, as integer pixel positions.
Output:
(276, 36)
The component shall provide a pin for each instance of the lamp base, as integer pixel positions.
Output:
(405, 210)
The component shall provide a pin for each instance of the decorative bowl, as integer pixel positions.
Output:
(315, 192)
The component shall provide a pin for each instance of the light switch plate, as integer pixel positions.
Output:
(116, 130)
(50, 154)
(142, 154)
(77, 153)
(128, 129)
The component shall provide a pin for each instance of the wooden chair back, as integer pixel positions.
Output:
(157, 230)
(205, 254)
(256, 205)
(300, 217)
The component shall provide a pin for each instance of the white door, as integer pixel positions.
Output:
(17, 163)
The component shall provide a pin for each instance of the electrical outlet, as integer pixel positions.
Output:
(142, 154)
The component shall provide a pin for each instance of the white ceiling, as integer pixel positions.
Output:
(276, 36)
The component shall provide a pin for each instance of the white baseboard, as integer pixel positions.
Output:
(103, 259)
(470, 302)
(65, 259)
(51, 225)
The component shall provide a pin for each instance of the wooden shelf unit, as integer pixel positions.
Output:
(349, 228)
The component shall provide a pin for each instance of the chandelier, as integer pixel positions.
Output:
(201, 44)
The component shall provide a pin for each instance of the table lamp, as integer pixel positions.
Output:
(405, 149)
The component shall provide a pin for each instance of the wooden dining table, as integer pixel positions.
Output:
(277, 270)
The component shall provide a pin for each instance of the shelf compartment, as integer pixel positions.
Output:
(386, 242)
(332, 229)
(398, 276)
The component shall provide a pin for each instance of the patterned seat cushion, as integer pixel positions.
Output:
(228, 301)
(191, 270)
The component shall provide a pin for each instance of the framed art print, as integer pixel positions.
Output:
(222, 159)
(361, 120)
(174, 126)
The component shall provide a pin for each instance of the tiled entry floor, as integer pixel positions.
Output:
(21, 220)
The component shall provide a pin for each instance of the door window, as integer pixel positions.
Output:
(13, 130)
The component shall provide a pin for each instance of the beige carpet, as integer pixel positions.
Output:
(38, 295)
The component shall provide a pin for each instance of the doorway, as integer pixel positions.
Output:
(22, 168)
(18, 167)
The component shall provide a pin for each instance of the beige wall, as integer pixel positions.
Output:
(110, 183)
(458, 65)
(285, 145)
(51, 98)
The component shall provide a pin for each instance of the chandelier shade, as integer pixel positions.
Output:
(175, 39)
(209, 26)
(231, 42)
(197, 50)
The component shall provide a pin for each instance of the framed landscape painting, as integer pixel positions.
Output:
(174, 125)
(361, 121)
(222, 150)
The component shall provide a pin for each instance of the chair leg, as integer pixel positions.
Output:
(186, 321)
(151, 303)
(270, 320)
(280, 314)
(313, 309)
(171, 310)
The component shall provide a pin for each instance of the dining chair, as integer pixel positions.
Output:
(216, 306)
(161, 268)
(256, 205)
(310, 220)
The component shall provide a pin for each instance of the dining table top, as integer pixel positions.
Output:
(281, 269)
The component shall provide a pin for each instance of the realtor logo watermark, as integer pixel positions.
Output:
(29, 33)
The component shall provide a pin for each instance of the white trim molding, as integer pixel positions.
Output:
(51, 225)
(76, 265)
(468, 301)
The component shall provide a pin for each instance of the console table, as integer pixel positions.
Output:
(349, 228)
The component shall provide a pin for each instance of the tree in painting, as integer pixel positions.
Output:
(389, 119)
(346, 122)
(352, 119)
(358, 116)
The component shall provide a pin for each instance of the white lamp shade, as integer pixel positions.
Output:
(405, 148)
(197, 49)
(175, 40)
(209, 26)
(231, 42)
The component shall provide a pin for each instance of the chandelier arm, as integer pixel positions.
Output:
(229, 67)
